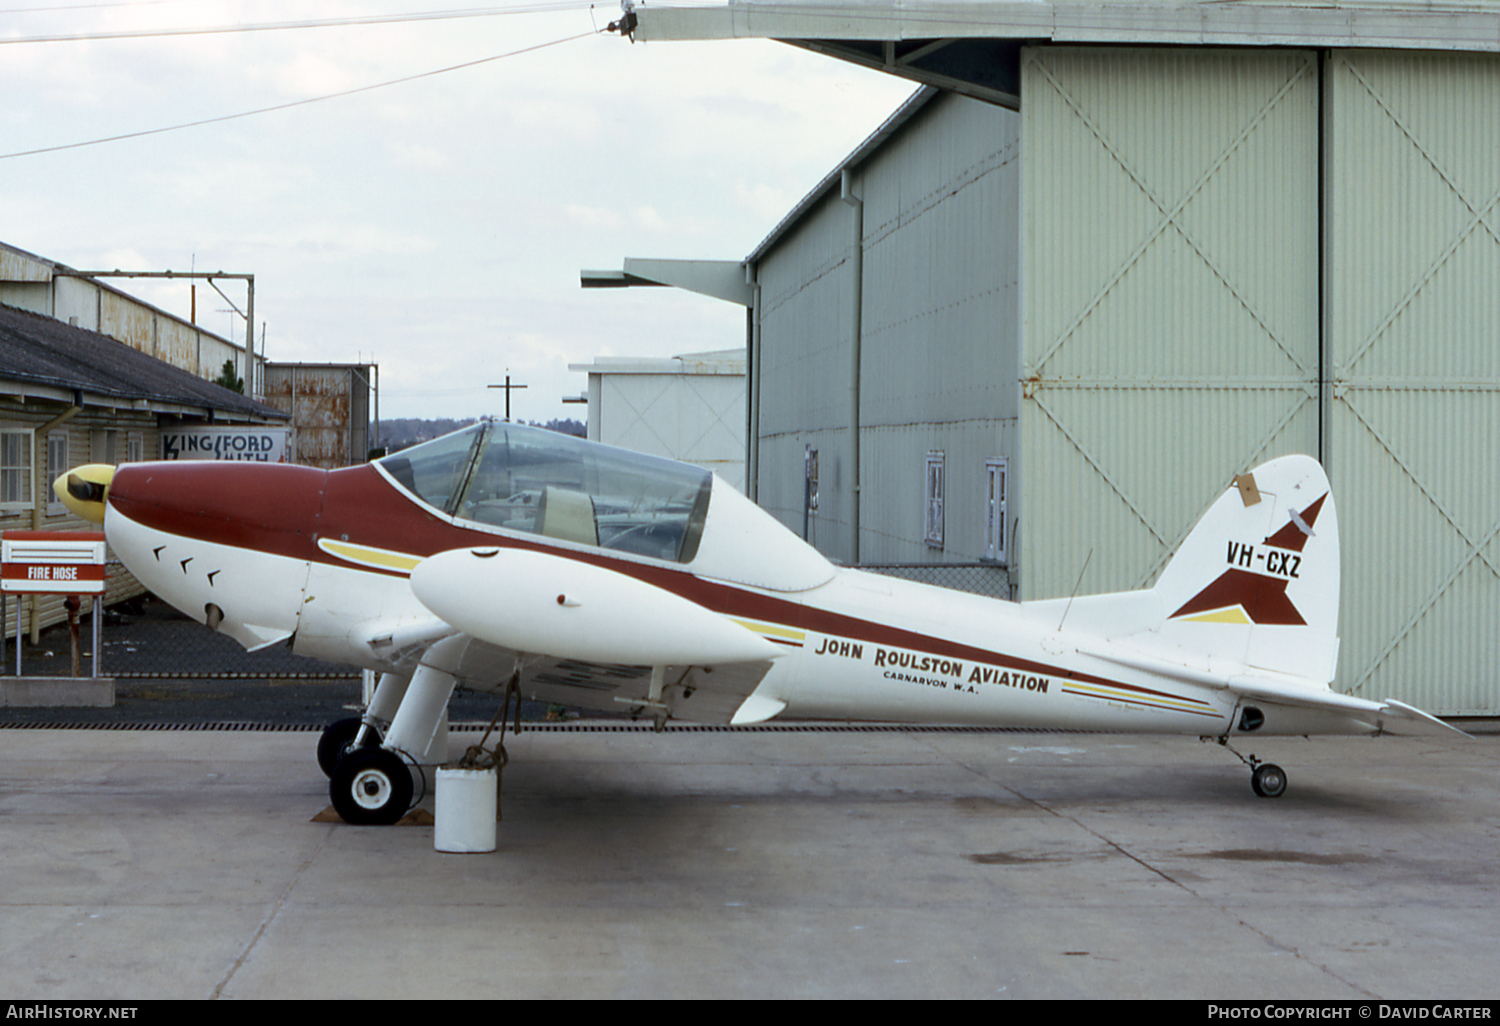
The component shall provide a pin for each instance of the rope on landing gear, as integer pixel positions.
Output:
(478, 757)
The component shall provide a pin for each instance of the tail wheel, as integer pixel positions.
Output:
(1268, 780)
(371, 787)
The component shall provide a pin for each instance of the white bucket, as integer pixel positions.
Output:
(464, 816)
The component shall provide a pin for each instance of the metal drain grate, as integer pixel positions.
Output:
(573, 728)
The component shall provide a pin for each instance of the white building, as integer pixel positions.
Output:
(689, 408)
(1151, 246)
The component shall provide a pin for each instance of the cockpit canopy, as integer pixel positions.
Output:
(500, 476)
(541, 482)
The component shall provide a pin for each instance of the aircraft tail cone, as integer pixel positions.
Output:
(84, 490)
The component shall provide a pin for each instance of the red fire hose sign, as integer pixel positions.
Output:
(62, 562)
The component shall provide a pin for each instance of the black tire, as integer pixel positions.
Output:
(1268, 780)
(338, 741)
(371, 787)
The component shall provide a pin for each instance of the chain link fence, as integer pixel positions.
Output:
(146, 638)
(988, 579)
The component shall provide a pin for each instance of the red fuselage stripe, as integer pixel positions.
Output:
(283, 510)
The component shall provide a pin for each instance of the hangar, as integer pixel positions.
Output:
(1114, 254)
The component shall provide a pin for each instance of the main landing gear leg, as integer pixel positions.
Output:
(344, 736)
(1266, 778)
(372, 786)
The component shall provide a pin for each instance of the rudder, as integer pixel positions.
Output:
(1257, 579)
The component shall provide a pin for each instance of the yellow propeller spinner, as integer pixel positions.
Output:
(84, 490)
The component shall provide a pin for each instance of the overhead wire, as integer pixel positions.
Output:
(296, 103)
(87, 7)
(276, 26)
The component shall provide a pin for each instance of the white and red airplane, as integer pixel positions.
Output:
(605, 579)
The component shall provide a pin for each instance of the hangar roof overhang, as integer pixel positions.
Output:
(973, 46)
(731, 280)
(719, 279)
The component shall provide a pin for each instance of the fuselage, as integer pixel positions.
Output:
(323, 560)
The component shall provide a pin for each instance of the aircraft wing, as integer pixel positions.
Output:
(718, 694)
(586, 635)
(693, 692)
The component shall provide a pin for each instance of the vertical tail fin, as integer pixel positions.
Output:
(1257, 580)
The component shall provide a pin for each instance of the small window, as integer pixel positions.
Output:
(15, 469)
(102, 445)
(57, 466)
(810, 478)
(995, 547)
(932, 530)
(135, 447)
(809, 491)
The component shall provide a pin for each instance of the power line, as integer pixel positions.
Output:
(294, 103)
(86, 7)
(274, 26)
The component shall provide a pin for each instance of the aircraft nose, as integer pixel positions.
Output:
(84, 489)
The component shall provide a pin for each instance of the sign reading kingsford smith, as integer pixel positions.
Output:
(216, 442)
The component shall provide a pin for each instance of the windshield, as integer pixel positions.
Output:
(541, 482)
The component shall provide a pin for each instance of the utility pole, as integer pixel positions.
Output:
(507, 386)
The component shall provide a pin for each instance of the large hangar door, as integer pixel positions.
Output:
(1414, 353)
(1169, 296)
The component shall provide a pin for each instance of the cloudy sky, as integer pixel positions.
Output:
(436, 227)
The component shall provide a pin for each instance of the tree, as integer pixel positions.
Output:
(228, 380)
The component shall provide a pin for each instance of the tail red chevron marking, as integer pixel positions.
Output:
(1262, 598)
(1292, 536)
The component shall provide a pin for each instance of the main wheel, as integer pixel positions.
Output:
(338, 741)
(371, 787)
(1268, 780)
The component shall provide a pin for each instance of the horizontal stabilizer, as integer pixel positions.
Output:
(1401, 718)
(1388, 717)
(551, 605)
(1261, 689)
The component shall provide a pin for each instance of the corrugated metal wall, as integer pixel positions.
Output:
(1172, 328)
(1414, 351)
(937, 315)
(941, 222)
(1226, 255)
(804, 372)
(1169, 332)
(330, 409)
(83, 303)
